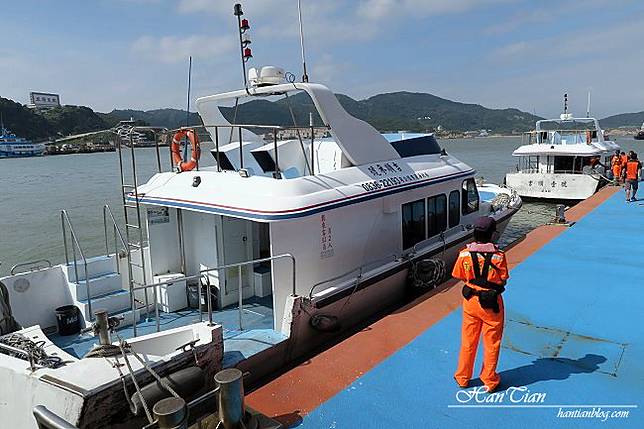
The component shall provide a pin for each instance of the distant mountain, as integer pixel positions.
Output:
(56, 122)
(623, 120)
(392, 112)
(387, 112)
(170, 118)
(68, 120)
(24, 121)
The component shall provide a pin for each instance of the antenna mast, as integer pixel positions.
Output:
(565, 103)
(588, 107)
(244, 41)
(305, 76)
(189, 84)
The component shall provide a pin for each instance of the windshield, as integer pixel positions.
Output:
(577, 124)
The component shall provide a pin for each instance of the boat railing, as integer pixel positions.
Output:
(359, 270)
(200, 277)
(75, 246)
(108, 217)
(165, 134)
(35, 265)
(436, 239)
(46, 419)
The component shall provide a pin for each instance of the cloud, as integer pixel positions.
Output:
(173, 49)
(511, 50)
(386, 9)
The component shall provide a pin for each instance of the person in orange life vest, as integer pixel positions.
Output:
(483, 268)
(616, 166)
(624, 159)
(633, 167)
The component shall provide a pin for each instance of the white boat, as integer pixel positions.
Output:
(563, 159)
(12, 146)
(293, 241)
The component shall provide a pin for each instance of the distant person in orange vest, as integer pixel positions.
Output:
(624, 159)
(633, 167)
(484, 269)
(616, 167)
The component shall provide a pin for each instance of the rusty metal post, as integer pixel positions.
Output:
(231, 398)
(171, 413)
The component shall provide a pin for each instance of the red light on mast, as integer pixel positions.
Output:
(248, 54)
(244, 25)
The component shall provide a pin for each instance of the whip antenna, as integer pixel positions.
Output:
(588, 107)
(305, 76)
(189, 85)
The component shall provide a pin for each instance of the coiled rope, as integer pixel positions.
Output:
(427, 273)
(36, 350)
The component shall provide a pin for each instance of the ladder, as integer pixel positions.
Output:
(134, 222)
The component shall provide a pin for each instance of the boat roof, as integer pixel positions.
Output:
(360, 142)
(561, 150)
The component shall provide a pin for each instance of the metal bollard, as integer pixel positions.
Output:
(231, 398)
(171, 413)
(560, 213)
(102, 327)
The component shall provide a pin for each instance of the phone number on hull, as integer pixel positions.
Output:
(389, 182)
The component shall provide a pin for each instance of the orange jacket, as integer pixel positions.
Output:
(624, 159)
(633, 169)
(616, 160)
(464, 270)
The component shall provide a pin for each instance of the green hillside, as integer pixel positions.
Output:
(623, 120)
(391, 112)
(24, 121)
(170, 118)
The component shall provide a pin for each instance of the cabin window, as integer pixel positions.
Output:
(563, 164)
(436, 215)
(413, 223)
(454, 208)
(470, 196)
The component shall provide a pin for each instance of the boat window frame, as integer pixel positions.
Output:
(467, 207)
(435, 228)
(454, 212)
(403, 223)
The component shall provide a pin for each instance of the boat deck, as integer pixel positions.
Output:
(257, 333)
(573, 341)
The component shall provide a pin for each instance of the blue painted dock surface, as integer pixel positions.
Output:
(573, 340)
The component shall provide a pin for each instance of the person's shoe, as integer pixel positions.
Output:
(492, 389)
(462, 386)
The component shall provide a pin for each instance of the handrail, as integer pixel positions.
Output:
(25, 264)
(107, 211)
(437, 238)
(46, 419)
(65, 220)
(208, 286)
(359, 269)
(207, 127)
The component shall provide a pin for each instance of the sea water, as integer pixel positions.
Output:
(33, 191)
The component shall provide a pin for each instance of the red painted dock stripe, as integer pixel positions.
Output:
(308, 385)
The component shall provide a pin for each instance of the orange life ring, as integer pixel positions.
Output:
(175, 149)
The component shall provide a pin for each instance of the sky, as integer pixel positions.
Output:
(109, 54)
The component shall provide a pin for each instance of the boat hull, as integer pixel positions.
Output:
(553, 186)
(368, 298)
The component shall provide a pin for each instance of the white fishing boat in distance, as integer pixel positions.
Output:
(562, 159)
